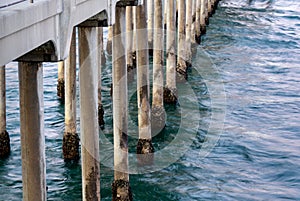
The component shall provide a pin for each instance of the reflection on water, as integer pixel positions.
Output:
(255, 46)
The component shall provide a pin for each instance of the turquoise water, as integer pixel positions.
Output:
(254, 155)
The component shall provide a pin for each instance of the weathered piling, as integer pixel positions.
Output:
(188, 32)
(209, 8)
(4, 136)
(101, 61)
(197, 22)
(193, 27)
(181, 55)
(129, 43)
(206, 12)
(109, 40)
(202, 17)
(150, 24)
(134, 36)
(144, 146)
(158, 112)
(61, 81)
(32, 131)
(88, 83)
(120, 188)
(170, 91)
(70, 138)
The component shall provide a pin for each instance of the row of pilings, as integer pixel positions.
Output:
(137, 32)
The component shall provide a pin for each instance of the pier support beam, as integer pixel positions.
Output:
(32, 131)
(158, 112)
(144, 147)
(120, 188)
(170, 92)
(181, 55)
(88, 79)
(4, 136)
(70, 139)
(101, 61)
(61, 81)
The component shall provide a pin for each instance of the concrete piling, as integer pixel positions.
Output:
(170, 91)
(206, 12)
(188, 33)
(202, 18)
(150, 23)
(181, 55)
(158, 112)
(144, 146)
(32, 131)
(61, 81)
(88, 85)
(109, 40)
(129, 43)
(120, 188)
(101, 61)
(197, 22)
(70, 138)
(4, 136)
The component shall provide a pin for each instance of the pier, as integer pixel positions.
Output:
(33, 32)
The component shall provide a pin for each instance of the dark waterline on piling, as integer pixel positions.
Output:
(256, 48)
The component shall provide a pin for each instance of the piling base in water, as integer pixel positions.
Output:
(188, 64)
(198, 39)
(213, 9)
(203, 29)
(181, 75)
(158, 119)
(71, 146)
(207, 20)
(145, 152)
(101, 115)
(121, 191)
(4, 144)
(130, 72)
(170, 95)
(61, 89)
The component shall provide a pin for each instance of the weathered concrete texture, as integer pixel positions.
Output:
(170, 95)
(101, 115)
(71, 146)
(92, 185)
(145, 152)
(61, 89)
(32, 131)
(121, 191)
(89, 128)
(181, 70)
(4, 144)
(158, 119)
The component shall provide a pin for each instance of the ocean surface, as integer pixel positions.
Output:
(235, 134)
